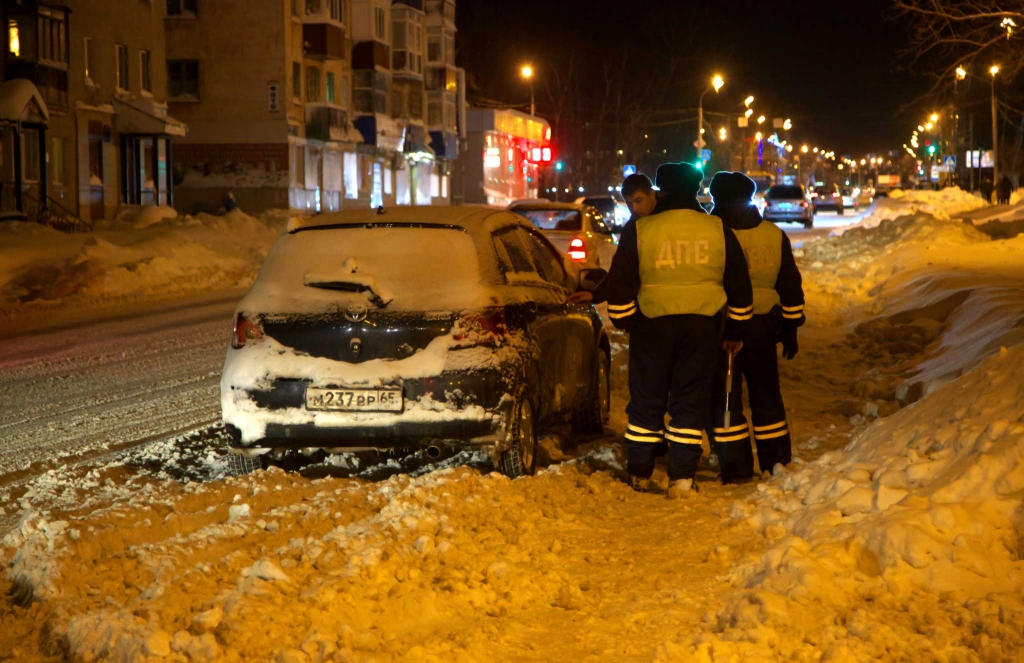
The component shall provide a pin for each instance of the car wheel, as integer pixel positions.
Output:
(520, 459)
(241, 465)
(590, 419)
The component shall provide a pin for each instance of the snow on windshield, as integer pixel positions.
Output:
(406, 268)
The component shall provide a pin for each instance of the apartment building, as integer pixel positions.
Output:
(266, 86)
(86, 128)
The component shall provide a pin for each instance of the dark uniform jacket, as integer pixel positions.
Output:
(623, 283)
(789, 284)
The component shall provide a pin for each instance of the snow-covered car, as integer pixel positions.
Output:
(416, 329)
(788, 202)
(578, 231)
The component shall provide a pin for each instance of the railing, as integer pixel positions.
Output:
(326, 122)
(52, 214)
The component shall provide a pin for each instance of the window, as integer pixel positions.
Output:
(30, 155)
(407, 42)
(183, 8)
(90, 55)
(121, 54)
(370, 91)
(351, 175)
(434, 112)
(434, 36)
(183, 80)
(513, 255)
(312, 84)
(13, 38)
(337, 10)
(299, 166)
(549, 264)
(345, 92)
(331, 96)
(312, 6)
(387, 181)
(449, 50)
(53, 35)
(381, 24)
(295, 8)
(296, 81)
(58, 161)
(144, 72)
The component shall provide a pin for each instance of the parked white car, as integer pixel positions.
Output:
(579, 231)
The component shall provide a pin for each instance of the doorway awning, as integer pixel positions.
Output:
(138, 117)
(20, 101)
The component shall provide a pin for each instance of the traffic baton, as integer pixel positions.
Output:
(728, 392)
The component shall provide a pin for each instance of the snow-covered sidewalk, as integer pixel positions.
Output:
(895, 535)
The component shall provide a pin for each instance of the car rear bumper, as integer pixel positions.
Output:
(787, 215)
(461, 408)
(835, 205)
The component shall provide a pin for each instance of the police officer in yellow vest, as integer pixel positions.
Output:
(778, 312)
(675, 276)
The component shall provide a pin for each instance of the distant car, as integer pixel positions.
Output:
(850, 198)
(577, 230)
(785, 202)
(612, 208)
(414, 330)
(827, 198)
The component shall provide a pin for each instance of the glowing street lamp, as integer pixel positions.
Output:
(934, 117)
(527, 73)
(804, 149)
(994, 69)
(749, 100)
(961, 73)
(716, 84)
(787, 125)
(722, 134)
(761, 119)
(749, 112)
(928, 126)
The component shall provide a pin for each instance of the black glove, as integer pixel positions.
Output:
(787, 336)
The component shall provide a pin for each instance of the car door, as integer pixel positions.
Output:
(578, 331)
(537, 307)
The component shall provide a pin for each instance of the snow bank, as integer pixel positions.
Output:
(906, 545)
(147, 253)
(942, 204)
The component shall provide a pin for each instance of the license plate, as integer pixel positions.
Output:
(354, 400)
(786, 206)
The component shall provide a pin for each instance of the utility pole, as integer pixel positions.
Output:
(970, 149)
(995, 128)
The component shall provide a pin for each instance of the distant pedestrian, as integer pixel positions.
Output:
(229, 203)
(1004, 190)
(778, 312)
(986, 189)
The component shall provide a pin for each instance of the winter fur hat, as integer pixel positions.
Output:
(729, 188)
(679, 179)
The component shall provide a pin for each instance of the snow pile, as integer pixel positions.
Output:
(147, 253)
(943, 204)
(906, 545)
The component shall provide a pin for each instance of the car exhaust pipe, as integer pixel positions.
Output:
(434, 451)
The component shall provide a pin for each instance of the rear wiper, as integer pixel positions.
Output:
(377, 294)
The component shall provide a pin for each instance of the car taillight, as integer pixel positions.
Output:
(804, 204)
(814, 195)
(577, 249)
(486, 327)
(246, 330)
(835, 195)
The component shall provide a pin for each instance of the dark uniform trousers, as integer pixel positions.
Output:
(758, 363)
(671, 369)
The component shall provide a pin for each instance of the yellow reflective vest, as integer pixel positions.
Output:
(762, 246)
(682, 263)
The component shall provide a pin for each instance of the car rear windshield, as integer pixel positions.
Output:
(785, 192)
(604, 205)
(554, 219)
(416, 268)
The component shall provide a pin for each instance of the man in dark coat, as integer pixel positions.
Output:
(778, 312)
(676, 274)
(1004, 190)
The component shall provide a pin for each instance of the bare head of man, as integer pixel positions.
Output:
(640, 196)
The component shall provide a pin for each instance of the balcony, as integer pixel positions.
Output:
(444, 7)
(52, 82)
(323, 41)
(326, 122)
(370, 55)
(415, 4)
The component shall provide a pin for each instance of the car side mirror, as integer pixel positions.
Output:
(590, 279)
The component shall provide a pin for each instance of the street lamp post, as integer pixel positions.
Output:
(716, 84)
(527, 73)
(961, 74)
(995, 128)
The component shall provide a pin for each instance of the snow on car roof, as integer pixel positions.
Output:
(547, 204)
(470, 218)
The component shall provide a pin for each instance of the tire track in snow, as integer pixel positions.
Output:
(110, 385)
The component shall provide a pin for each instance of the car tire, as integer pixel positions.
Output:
(241, 465)
(520, 458)
(591, 418)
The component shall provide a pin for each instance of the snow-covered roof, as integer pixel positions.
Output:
(20, 101)
(144, 117)
(461, 216)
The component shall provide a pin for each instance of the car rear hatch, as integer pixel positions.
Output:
(560, 226)
(356, 294)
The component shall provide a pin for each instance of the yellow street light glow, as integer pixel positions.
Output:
(994, 69)
(787, 125)
(789, 148)
(815, 150)
(934, 117)
(526, 71)
(758, 136)
(717, 82)
(749, 100)
(863, 161)
(928, 126)
(840, 166)
(920, 128)
(761, 119)
(722, 134)
(804, 149)
(748, 113)
(961, 73)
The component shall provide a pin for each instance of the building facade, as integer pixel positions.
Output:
(504, 154)
(107, 138)
(315, 105)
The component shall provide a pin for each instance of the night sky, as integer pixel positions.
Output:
(830, 66)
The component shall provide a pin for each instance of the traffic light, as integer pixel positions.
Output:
(699, 163)
(558, 165)
(931, 149)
